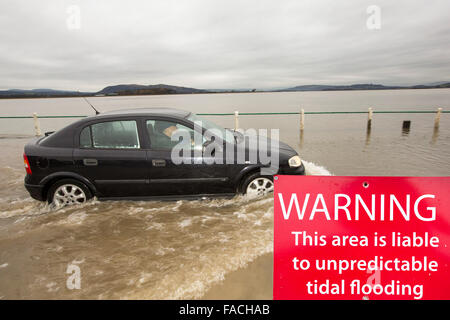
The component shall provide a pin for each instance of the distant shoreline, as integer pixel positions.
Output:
(95, 95)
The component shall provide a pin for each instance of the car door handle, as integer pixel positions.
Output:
(90, 162)
(159, 163)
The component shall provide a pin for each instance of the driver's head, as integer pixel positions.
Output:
(165, 127)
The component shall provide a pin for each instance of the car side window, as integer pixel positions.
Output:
(85, 138)
(161, 134)
(112, 135)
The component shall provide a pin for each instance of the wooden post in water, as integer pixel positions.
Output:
(302, 120)
(406, 126)
(369, 125)
(37, 126)
(369, 118)
(302, 126)
(236, 120)
(438, 118)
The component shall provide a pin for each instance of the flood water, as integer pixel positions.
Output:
(174, 250)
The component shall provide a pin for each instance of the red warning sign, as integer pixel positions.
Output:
(361, 237)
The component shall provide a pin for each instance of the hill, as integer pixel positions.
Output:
(364, 86)
(41, 93)
(136, 89)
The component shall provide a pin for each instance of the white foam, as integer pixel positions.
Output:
(78, 261)
(155, 225)
(162, 251)
(185, 223)
(240, 215)
(145, 276)
(76, 218)
(312, 169)
(52, 287)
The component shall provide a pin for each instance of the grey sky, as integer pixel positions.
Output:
(222, 44)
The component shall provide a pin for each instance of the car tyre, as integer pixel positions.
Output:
(257, 185)
(68, 192)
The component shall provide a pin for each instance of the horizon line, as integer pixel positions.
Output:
(434, 83)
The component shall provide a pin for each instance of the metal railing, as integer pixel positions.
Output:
(236, 115)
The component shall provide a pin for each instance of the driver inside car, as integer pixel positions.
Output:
(164, 131)
(165, 128)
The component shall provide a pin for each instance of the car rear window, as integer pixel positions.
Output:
(111, 135)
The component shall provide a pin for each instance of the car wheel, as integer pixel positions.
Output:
(68, 192)
(257, 185)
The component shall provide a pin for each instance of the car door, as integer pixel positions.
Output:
(111, 157)
(193, 176)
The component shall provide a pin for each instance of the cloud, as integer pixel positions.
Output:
(221, 44)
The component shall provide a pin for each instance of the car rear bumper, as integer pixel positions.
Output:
(35, 191)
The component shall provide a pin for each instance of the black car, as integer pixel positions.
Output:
(126, 154)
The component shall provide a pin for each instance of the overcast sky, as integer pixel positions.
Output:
(221, 44)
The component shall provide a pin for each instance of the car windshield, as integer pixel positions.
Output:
(209, 125)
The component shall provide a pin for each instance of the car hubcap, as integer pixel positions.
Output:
(259, 187)
(68, 194)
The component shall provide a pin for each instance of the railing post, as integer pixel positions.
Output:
(37, 126)
(369, 118)
(236, 120)
(302, 120)
(302, 126)
(438, 118)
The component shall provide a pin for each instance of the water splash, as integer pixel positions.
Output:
(130, 249)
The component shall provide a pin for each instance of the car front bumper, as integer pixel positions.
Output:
(298, 171)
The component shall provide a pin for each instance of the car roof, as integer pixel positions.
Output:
(64, 137)
(147, 111)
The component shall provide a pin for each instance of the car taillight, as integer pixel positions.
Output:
(26, 163)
